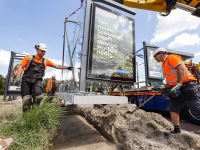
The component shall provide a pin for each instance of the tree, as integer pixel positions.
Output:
(95, 86)
(2, 84)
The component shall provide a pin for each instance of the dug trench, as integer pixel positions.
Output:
(129, 131)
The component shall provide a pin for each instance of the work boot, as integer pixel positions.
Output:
(170, 133)
(176, 131)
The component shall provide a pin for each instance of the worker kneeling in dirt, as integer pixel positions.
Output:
(51, 87)
(32, 78)
(179, 77)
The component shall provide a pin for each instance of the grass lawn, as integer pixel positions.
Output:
(32, 130)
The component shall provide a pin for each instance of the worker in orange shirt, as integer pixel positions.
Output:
(178, 77)
(34, 71)
(51, 86)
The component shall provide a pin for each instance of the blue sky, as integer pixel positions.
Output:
(24, 24)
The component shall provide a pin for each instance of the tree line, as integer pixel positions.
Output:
(2, 84)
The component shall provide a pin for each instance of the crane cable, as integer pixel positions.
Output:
(76, 10)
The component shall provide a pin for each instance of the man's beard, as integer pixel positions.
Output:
(41, 55)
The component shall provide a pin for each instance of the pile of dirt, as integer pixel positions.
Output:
(138, 130)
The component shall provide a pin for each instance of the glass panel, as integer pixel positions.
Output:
(112, 46)
(75, 36)
(16, 64)
(155, 69)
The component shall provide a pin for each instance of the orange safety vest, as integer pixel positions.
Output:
(170, 73)
(49, 85)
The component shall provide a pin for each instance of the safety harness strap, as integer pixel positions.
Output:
(44, 60)
(30, 57)
(33, 57)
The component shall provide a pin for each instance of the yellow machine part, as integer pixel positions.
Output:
(120, 90)
(199, 71)
(196, 65)
(98, 93)
(186, 63)
(199, 67)
(157, 5)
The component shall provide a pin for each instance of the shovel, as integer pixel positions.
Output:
(146, 101)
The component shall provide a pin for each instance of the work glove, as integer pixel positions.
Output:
(175, 89)
(17, 81)
(158, 88)
(69, 68)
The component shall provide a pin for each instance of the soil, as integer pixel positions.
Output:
(128, 131)
(77, 134)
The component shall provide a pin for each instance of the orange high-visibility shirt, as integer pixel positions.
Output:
(49, 85)
(170, 73)
(25, 62)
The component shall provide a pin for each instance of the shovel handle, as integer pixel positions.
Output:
(146, 101)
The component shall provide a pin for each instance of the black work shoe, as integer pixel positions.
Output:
(170, 133)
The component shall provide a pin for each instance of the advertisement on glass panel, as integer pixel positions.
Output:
(155, 69)
(14, 74)
(112, 46)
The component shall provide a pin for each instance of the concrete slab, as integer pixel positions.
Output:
(15, 101)
(76, 98)
(11, 102)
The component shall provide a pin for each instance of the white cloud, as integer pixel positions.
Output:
(67, 75)
(25, 53)
(4, 58)
(196, 58)
(197, 54)
(19, 39)
(176, 22)
(185, 39)
(57, 72)
(58, 62)
(77, 65)
(4, 74)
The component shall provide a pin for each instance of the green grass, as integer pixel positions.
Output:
(124, 107)
(34, 129)
(151, 125)
(148, 137)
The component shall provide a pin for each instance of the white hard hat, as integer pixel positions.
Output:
(54, 75)
(41, 46)
(160, 49)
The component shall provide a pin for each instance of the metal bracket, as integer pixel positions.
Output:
(118, 5)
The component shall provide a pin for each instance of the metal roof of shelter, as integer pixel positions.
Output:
(183, 55)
